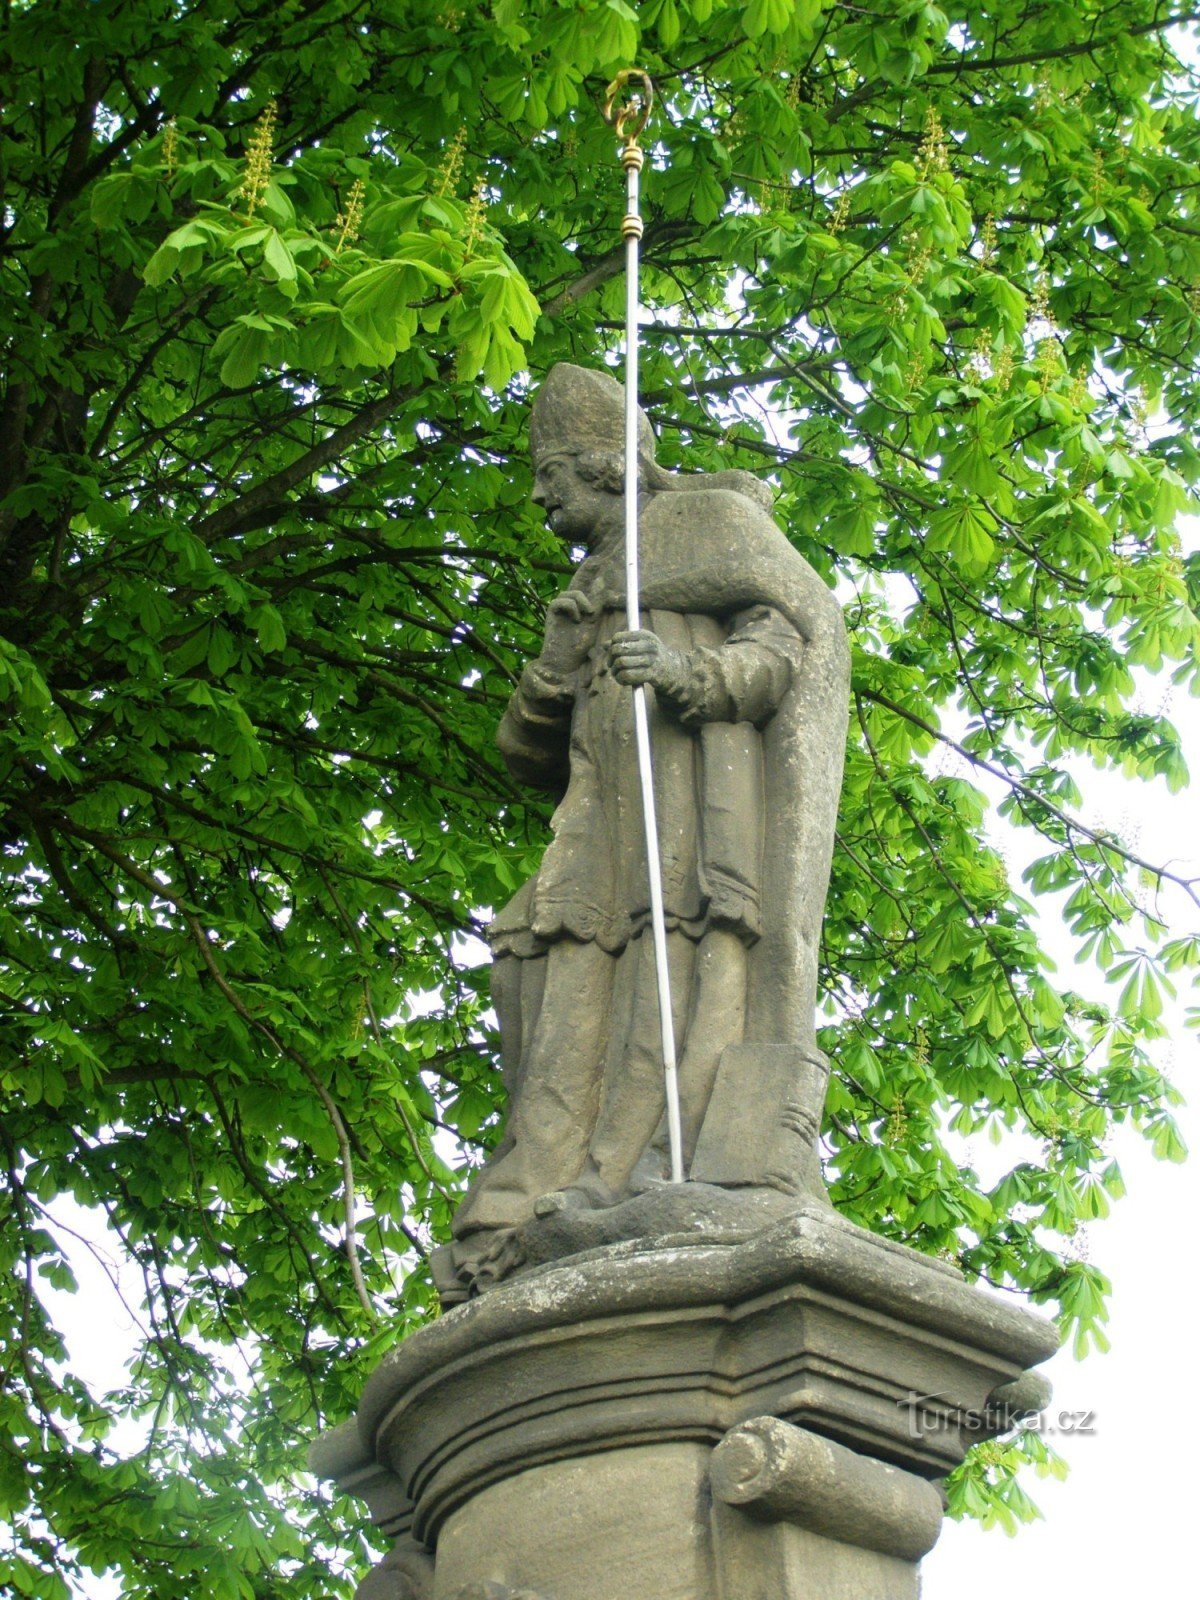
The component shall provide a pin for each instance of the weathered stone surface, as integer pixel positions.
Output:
(405, 1573)
(778, 1473)
(745, 660)
(740, 1146)
(669, 1340)
(626, 1523)
(777, 1561)
(796, 1517)
(680, 1521)
(493, 1591)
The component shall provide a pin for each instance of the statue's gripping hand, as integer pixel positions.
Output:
(570, 632)
(639, 656)
(743, 680)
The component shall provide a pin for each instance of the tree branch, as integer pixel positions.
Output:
(1081, 47)
(1073, 824)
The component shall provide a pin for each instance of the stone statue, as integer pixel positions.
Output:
(703, 1390)
(746, 655)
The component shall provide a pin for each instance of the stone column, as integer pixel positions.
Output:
(687, 1418)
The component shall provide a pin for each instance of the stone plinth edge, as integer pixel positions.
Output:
(813, 1322)
(813, 1245)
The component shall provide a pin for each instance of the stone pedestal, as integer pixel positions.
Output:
(686, 1418)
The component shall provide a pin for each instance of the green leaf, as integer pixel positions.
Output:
(243, 350)
(965, 532)
(279, 259)
(766, 16)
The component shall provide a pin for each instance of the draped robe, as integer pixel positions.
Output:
(747, 763)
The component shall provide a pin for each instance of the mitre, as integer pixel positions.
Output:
(579, 409)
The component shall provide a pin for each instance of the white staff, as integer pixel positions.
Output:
(629, 120)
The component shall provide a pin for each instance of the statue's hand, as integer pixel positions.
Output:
(571, 606)
(570, 631)
(640, 656)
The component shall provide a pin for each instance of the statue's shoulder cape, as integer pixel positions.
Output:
(715, 551)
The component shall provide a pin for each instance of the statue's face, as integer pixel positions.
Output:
(574, 507)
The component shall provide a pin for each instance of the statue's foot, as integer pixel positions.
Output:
(449, 1278)
(589, 1194)
(467, 1267)
(505, 1256)
(652, 1172)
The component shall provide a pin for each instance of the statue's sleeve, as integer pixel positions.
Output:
(742, 680)
(535, 731)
